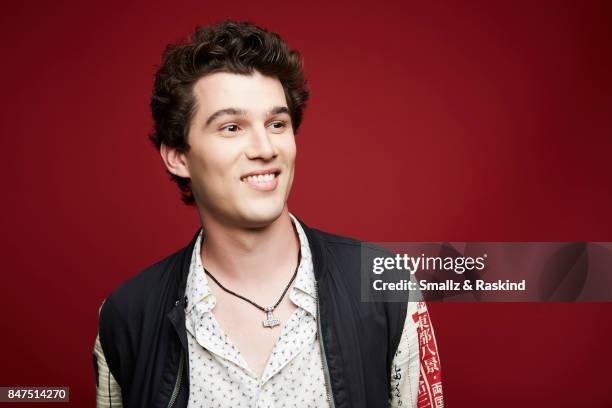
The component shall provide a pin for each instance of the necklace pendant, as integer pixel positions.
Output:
(270, 321)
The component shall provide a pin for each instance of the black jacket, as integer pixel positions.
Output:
(143, 336)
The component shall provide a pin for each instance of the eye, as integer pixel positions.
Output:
(231, 128)
(279, 124)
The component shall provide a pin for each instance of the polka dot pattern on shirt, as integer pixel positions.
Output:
(220, 377)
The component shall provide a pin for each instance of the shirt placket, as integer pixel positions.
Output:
(209, 335)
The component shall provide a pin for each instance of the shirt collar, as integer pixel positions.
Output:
(198, 292)
(305, 280)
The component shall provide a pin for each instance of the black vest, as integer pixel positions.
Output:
(143, 336)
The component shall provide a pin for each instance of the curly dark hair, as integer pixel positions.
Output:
(229, 46)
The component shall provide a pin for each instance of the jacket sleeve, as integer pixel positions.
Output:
(108, 391)
(416, 376)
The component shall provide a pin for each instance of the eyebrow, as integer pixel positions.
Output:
(235, 111)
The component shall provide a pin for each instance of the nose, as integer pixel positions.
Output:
(261, 145)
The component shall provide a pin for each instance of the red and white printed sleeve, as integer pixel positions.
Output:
(416, 374)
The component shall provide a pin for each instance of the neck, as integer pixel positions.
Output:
(235, 254)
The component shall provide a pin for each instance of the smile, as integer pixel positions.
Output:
(265, 180)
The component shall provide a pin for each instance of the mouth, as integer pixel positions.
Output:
(263, 180)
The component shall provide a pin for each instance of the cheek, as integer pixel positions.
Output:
(289, 149)
(211, 166)
(290, 155)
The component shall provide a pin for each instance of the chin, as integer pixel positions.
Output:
(259, 216)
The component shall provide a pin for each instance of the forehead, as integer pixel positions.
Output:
(253, 93)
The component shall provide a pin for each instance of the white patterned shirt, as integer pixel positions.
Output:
(218, 374)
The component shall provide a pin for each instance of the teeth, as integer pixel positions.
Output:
(261, 178)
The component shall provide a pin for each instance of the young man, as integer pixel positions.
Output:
(259, 310)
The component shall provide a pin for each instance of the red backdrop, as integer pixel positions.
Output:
(485, 121)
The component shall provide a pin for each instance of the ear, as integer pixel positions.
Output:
(174, 160)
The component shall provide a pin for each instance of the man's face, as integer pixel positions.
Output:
(242, 149)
